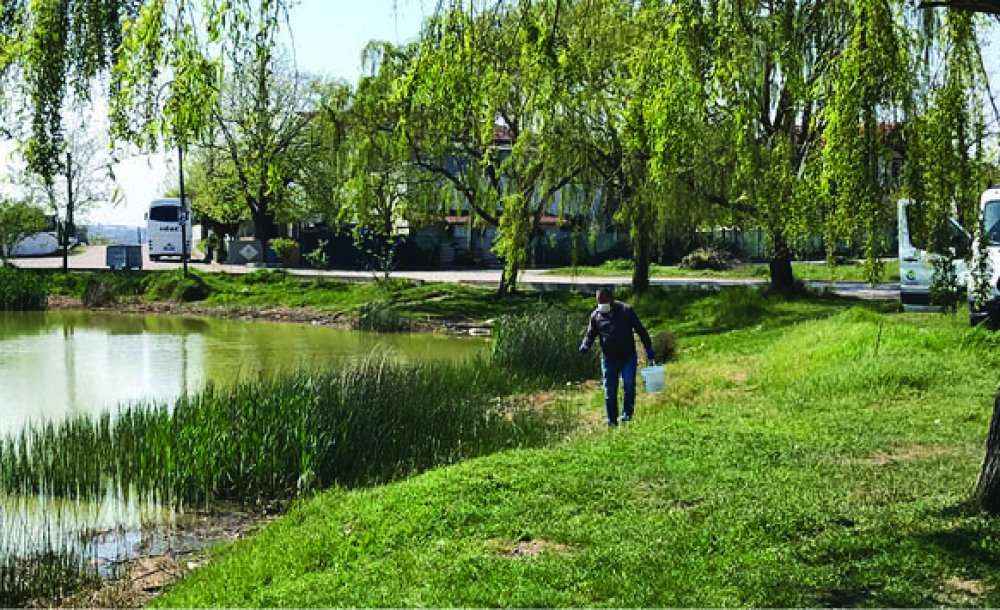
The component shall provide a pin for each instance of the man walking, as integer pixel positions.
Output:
(614, 322)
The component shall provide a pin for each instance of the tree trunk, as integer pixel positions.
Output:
(640, 274)
(264, 227)
(782, 277)
(988, 485)
(69, 213)
(502, 288)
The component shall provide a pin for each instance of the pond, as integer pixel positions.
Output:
(55, 364)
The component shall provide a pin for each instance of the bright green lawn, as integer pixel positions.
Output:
(806, 453)
(851, 272)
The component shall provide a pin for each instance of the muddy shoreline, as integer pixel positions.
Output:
(279, 313)
(165, 554)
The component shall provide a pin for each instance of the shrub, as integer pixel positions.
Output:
(317, 259)
(174, 286)
(22, 290)
(543, 343)
(619, 264)
(97, 292)
(286, 249)
(708, 258)
(665, 345)
(381, 316)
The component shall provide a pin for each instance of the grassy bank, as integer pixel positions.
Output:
(409, 301)
(805, 454)
(807, 271)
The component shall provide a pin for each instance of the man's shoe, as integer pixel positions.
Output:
(626, 419)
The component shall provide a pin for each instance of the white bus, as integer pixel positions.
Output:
(163, 228)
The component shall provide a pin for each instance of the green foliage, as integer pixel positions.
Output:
(22, 290)
(286, 249)
(18, 220)
(175, 286)
(381, 316)
(707, 258)
(318, 259)
(542, 342)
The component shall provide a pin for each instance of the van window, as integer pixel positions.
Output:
(164, 213)
(955, 237)
(915, 222)
(991, 222)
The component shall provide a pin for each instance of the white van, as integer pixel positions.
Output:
(163, 229)
(916, 263)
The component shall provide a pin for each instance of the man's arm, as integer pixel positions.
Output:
(590, 336)
(643, 335)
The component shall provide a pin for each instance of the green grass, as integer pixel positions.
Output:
(808, 271)
(412, 301)
(806, 453)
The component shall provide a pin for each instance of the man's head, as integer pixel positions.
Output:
(604, 299)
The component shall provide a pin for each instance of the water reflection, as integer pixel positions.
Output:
(56, 364)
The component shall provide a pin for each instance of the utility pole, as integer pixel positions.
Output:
(68, 225)
(183, 211)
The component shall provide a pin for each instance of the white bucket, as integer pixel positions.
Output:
(654, 378)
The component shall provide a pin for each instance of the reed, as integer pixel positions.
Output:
(543, 342)
(371, 421)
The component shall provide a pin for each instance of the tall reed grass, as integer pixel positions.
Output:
(375, 420)
(543, 343)
(22, 290)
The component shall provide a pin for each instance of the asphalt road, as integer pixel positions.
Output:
(93, 258)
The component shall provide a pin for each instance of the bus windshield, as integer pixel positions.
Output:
(991, 222)
(165, 213)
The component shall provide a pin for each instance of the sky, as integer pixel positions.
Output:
(328, 37)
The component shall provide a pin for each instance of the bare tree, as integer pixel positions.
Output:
(84, 178)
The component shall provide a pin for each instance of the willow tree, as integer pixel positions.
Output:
(611, 66)
(52, 51)
(380, 189)
(483, 104)
(868, 93)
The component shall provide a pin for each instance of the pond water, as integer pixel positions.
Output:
(54, 364)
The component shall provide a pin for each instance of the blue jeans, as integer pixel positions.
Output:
(611, 369)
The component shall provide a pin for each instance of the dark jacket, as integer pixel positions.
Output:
(615, 330)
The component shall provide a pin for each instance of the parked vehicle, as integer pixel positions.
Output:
(916, 261)
(989, 210)
(43, 243)
(163, 229)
